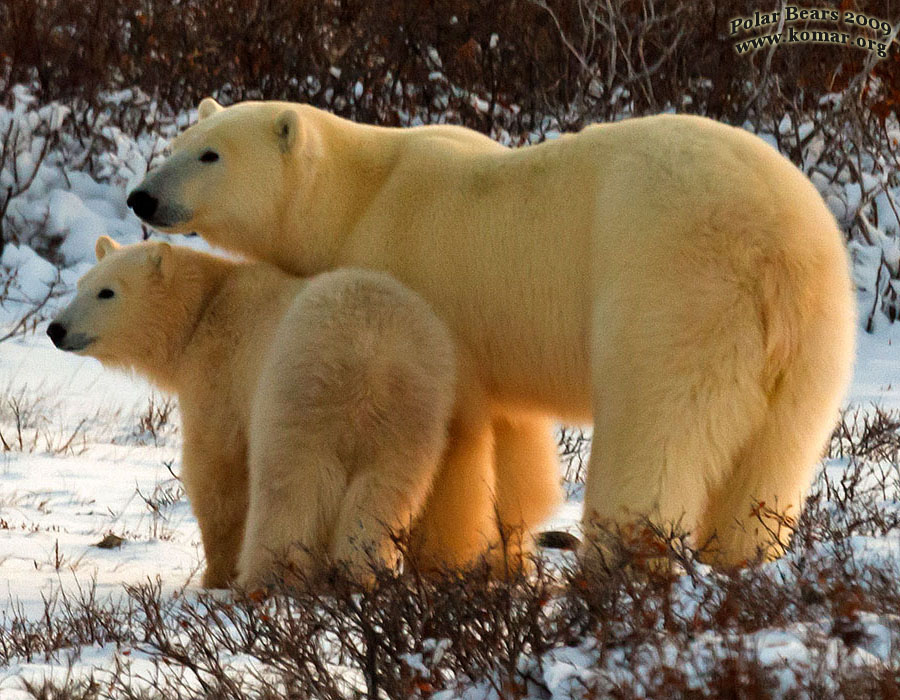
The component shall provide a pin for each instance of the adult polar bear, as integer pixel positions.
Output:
(672, 278)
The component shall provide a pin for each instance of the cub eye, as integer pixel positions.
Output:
(209, 157)
(105, 293)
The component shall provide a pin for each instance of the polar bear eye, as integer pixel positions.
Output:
(209, 157)
(105, 293)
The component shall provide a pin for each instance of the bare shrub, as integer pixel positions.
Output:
(579, 61)
(155, 418)
(25, 426)
(160, 503)
(516, 69)
(36, 310)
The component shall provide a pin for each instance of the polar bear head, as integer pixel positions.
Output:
(227, 174)
(120, 311)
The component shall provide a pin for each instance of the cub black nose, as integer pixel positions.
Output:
(142, 203)
(57, 332)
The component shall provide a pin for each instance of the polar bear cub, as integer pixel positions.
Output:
(314, 410)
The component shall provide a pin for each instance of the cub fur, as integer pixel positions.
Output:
(314, 410)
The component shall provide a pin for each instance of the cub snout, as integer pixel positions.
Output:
(65, 340)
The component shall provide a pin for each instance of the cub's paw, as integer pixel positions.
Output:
(217, 577)
(362, 560)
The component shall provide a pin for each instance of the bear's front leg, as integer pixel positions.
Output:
(458, 522)
(217, 491)
(528, 479)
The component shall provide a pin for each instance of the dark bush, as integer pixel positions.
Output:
(376, 60)
(681, 631)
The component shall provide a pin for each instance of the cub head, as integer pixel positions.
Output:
(227, 174)
(119, 312)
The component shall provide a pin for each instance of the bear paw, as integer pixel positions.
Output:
(216, 577)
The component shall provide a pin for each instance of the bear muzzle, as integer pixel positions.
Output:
(143, 204)
(64, 340)
(57, 332)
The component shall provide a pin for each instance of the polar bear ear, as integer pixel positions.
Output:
(287, 130)
(161, 259)
(104, 245)
(208, 106)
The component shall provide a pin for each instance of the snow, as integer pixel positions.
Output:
(58, 505)
(84, 467)
(567, 670)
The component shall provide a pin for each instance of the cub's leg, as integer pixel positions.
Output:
(528, 479)
(216, 487)
(383, 498)
(296, 484)
(398, 423)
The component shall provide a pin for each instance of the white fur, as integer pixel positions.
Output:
(314, 411)
(675, 280)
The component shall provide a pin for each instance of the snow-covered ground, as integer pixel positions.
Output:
(88, 453)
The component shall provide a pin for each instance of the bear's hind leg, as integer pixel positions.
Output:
(375, 506)
(754, 513)
(458, 521)
(398, 439)
(296, 486)
(657, 476)
(676, 396)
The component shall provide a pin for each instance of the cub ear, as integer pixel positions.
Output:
(287, 130)
(161, 259)
(208, 106)
(104, 245)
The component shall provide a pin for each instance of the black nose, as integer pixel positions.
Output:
(143, 203)
(57, 332)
